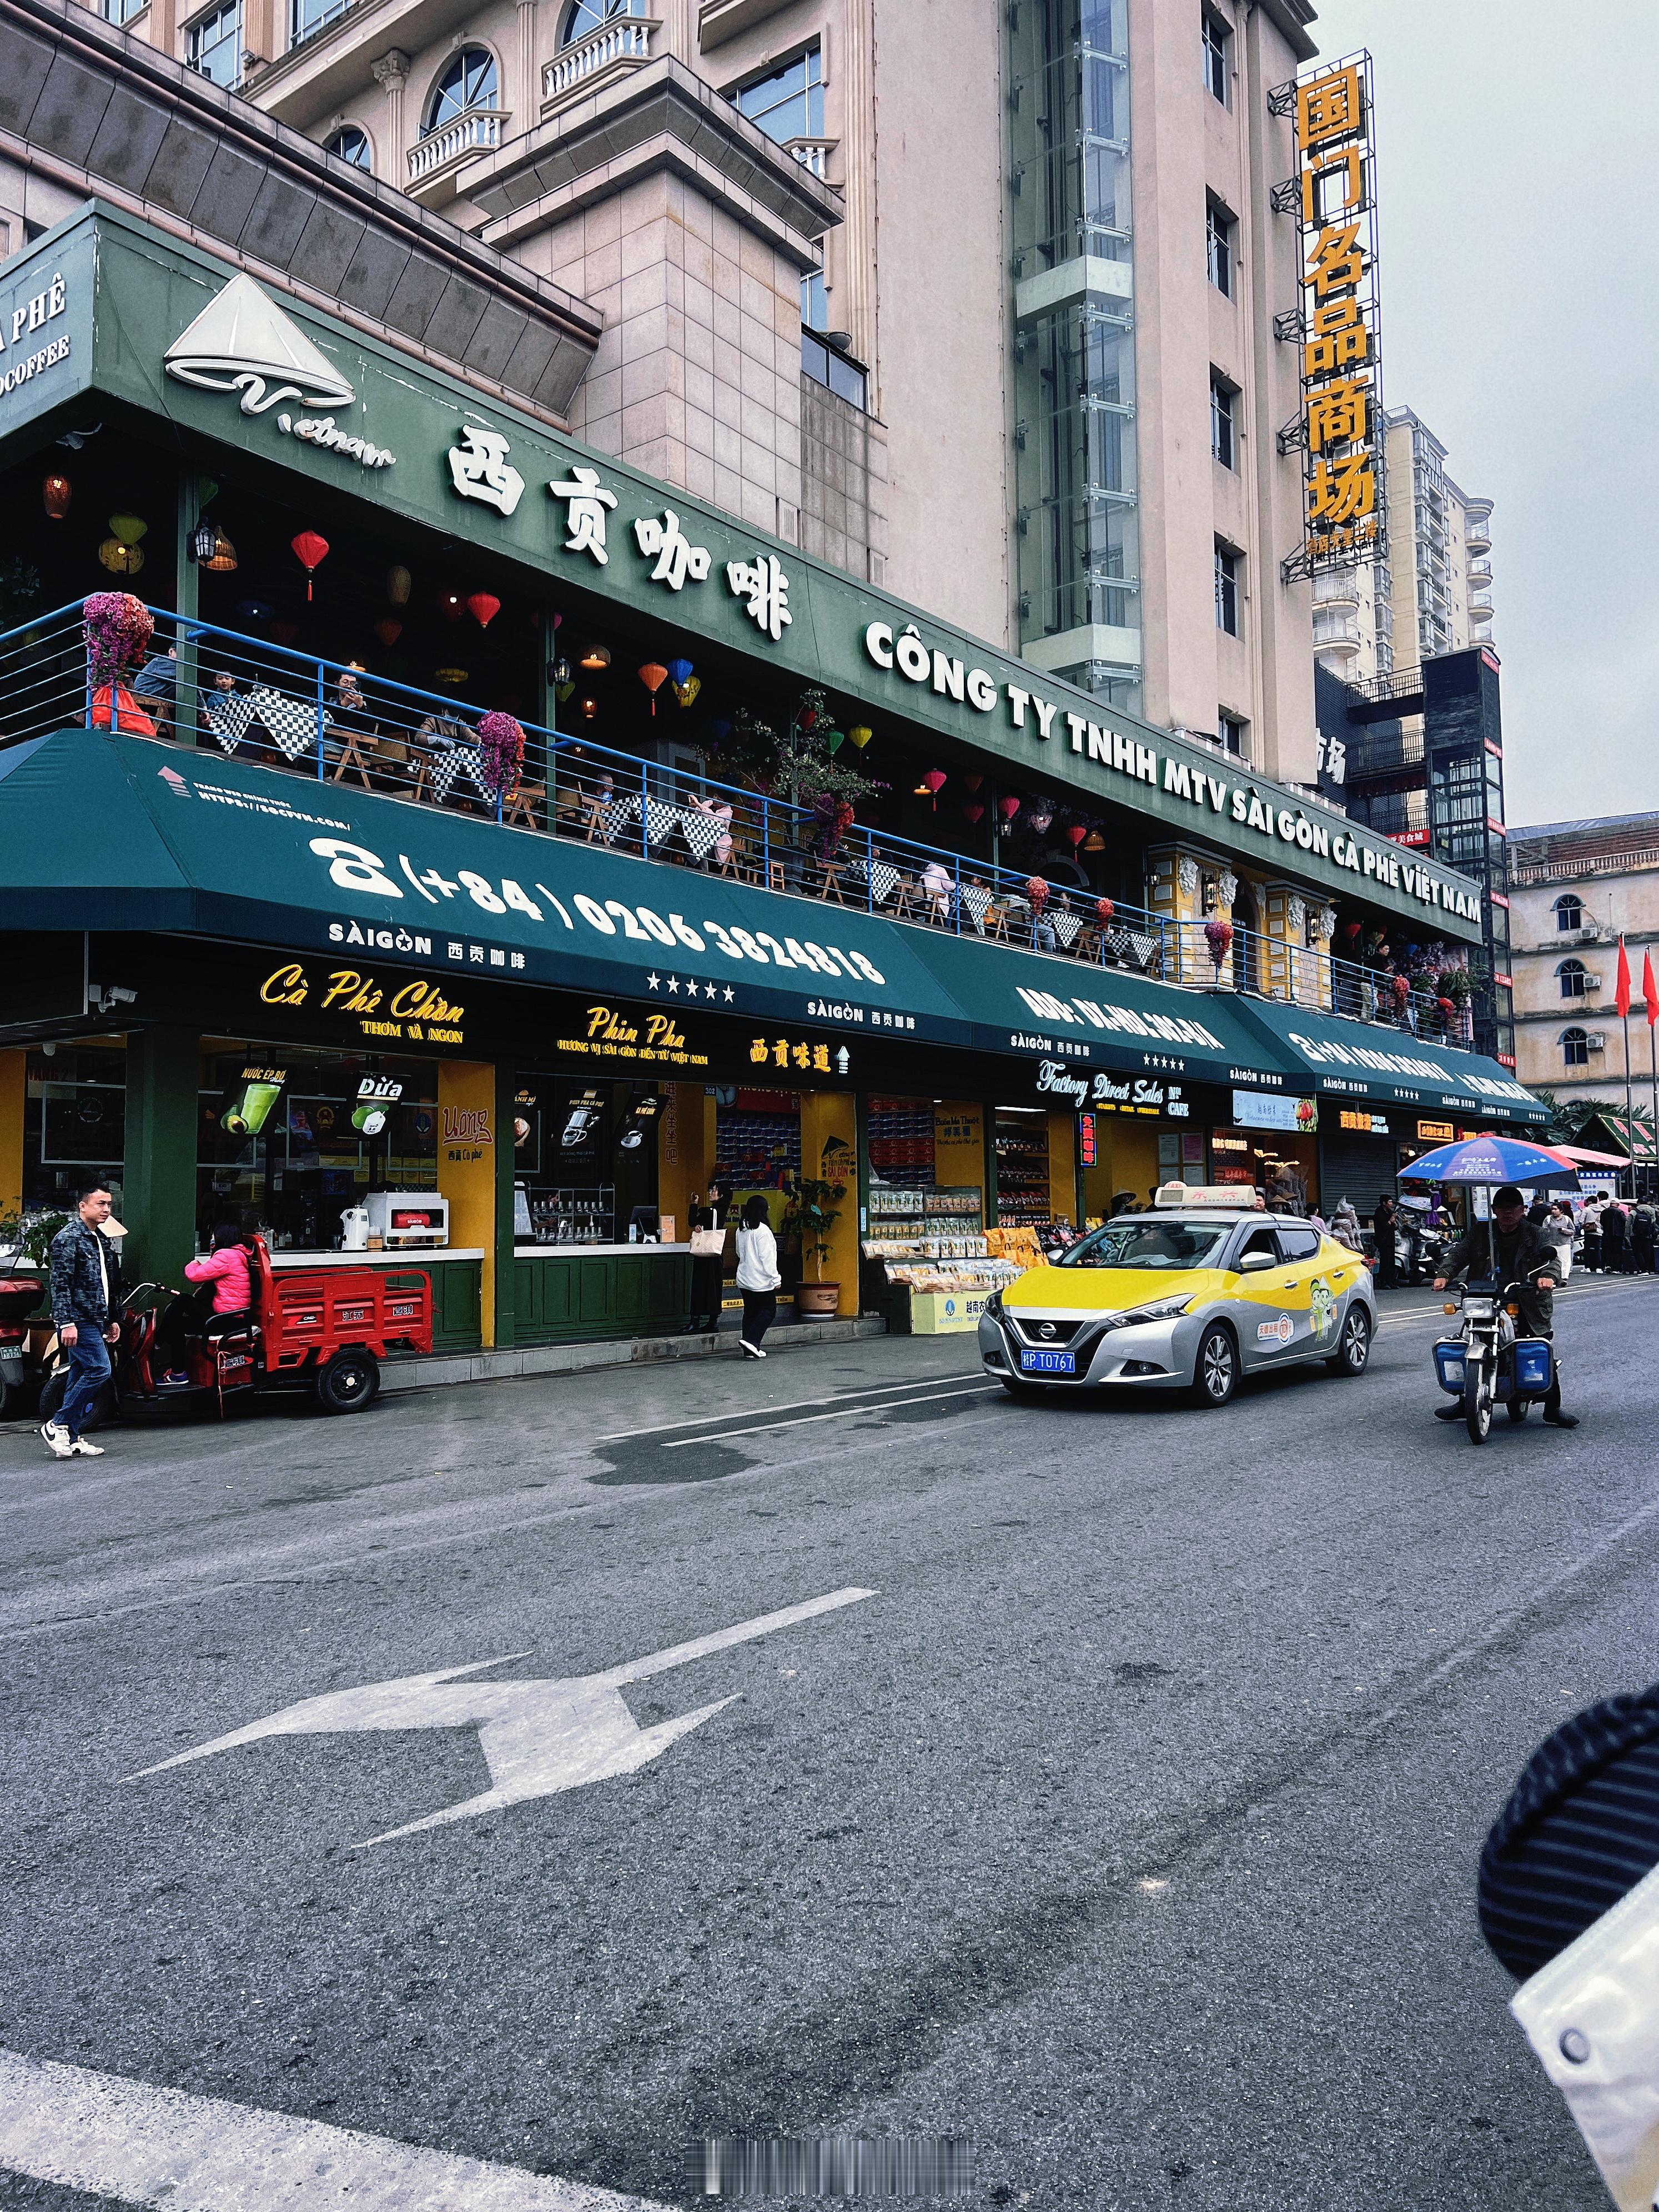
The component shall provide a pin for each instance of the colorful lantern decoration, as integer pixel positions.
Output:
(1008, 806)
(388, 630)
(209, 548)
(1351, 929)
(483, 607)
(55, 493)
(310, 550)
(129, 528)
(1075, 834)
(686, 685)
(449, 675)
(858, 735)
(1104, 908)
(973, 813)
(397, 587)
(1094, 842)
(121, 560)
(589, 708)
(933, 781)
(653, 676)
(973, 782)
(597, 656)
(450, 603)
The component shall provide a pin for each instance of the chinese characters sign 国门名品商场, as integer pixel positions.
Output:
(1340, 428)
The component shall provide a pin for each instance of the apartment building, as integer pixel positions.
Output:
(1003, 341)
(1578, 887)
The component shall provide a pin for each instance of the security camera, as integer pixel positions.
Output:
(114, 995)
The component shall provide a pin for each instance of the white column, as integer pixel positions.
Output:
(529, 102)
(856, 310)
(392, 74)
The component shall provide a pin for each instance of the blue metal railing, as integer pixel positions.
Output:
(253, 699)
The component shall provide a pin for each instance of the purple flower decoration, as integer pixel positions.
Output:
(501, 750)
(117, 628)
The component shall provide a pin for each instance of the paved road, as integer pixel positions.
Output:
(1128, 1827)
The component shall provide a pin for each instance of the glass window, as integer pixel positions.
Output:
(1259, 1240)
(1573, 978)
(213, 44)
(587, 15)
(1218, 228)
(1575, 1048)
(74, 1126)
(1160, 1244)
(351, 145)
(1231, 731)
(1569, 912)
(826, 366)
(789, 102)
(1218, 39)
(123, 11)
(1222, 400)
(1226, 591)
(286, 1140)
(469, 83)
(1298, 1243)
(814, 300)
(305, 16)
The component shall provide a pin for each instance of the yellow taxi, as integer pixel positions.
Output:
(1191, 1296)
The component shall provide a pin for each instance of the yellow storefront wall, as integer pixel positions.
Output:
(14, 1071)
(466, 1169)
(686, 1154)
(828, 1153)
(1126, 1159)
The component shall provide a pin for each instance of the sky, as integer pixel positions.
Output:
(1519, 264)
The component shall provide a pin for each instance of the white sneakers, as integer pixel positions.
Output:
(62, 1445)
(749, 1351)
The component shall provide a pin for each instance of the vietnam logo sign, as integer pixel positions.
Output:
(242, 342)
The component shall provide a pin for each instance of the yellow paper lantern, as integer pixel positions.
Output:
(128, 529)
(120, 558)
(860, 736)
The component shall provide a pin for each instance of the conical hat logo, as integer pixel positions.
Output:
(243, 342)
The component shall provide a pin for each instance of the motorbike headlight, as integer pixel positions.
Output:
(1478, 1309)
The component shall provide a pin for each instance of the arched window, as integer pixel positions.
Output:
(1569, 912)
(469, 83)
(351, 145)
(586, 15)
(1575, 1048)
(1573, 978)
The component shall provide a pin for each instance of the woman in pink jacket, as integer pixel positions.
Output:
(225, 1281)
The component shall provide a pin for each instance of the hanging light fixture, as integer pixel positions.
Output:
(859, 735)
(120, 558)
(558, 671)
(55, 493)
(397, 587)
(221, 557)
(589, 708)
(597, 656)
(199, 545)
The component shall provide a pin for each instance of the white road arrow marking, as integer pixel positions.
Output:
(538, 1737)
(166, 2148)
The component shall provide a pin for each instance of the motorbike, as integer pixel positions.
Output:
(1490, 1363)
(325, 1330)
(23, 1362)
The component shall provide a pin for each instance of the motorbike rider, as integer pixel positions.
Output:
(1525, 1259)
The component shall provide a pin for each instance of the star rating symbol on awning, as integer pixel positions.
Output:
(730, 994)
(674, 984)
(651, 982)
(708, 991)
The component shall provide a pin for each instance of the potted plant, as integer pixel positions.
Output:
(816, 1210)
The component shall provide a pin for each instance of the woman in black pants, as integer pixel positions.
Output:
(757, 1276)
(705, 1273)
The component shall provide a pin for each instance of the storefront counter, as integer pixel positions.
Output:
(582, 1293)
(456, 1274)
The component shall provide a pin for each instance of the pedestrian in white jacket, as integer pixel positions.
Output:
(757, 1276)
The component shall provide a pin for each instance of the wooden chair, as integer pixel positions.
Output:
(774, 876)
(521, 802)
(159, 710)
(830, 871)
(351, 759)
(900, 901)
(420, 781)
(591, 824)
(737, 865)
(996, 923)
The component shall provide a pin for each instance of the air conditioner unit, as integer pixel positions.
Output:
(1592, 983)
(1596, 1041)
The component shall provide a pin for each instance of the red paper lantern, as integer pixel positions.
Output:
(973, 782)
(55, 493)
(1008, 806)
(973, 813)
(1104, 908)
(1077, 833)
(310, 551)
(284, 632)
(388, 631)
(1351, 929)
(653, 676)
(483, 607)
(450, 603)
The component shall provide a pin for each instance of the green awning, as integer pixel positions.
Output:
(1359, 1060)
(119, 833)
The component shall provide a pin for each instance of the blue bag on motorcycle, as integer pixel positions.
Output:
(1449, 1364)
(1534, 1367)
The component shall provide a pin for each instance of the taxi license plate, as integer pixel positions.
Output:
(1048, 1362)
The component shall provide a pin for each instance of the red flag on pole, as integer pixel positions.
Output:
(1649, 993)
(1621, 997)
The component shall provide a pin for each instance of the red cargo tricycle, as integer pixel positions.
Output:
(325, 1330)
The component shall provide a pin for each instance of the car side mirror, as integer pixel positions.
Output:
(1254, 1262)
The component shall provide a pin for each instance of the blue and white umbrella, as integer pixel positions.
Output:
(1494, 1160)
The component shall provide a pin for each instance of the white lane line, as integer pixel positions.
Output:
(804, 1420)
(165, 2147)
(789, 1406)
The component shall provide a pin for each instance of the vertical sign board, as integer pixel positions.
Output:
(1337, 320)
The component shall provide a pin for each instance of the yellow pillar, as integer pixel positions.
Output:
(1175, 892)
(467, 1141)
(685, 1155)
(14, 1072)
(959, 1147)
(828, 1153)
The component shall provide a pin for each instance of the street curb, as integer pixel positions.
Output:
(442, 1368)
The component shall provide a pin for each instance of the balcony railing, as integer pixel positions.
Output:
(254, 700)
(477, 132)
(626, 40)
